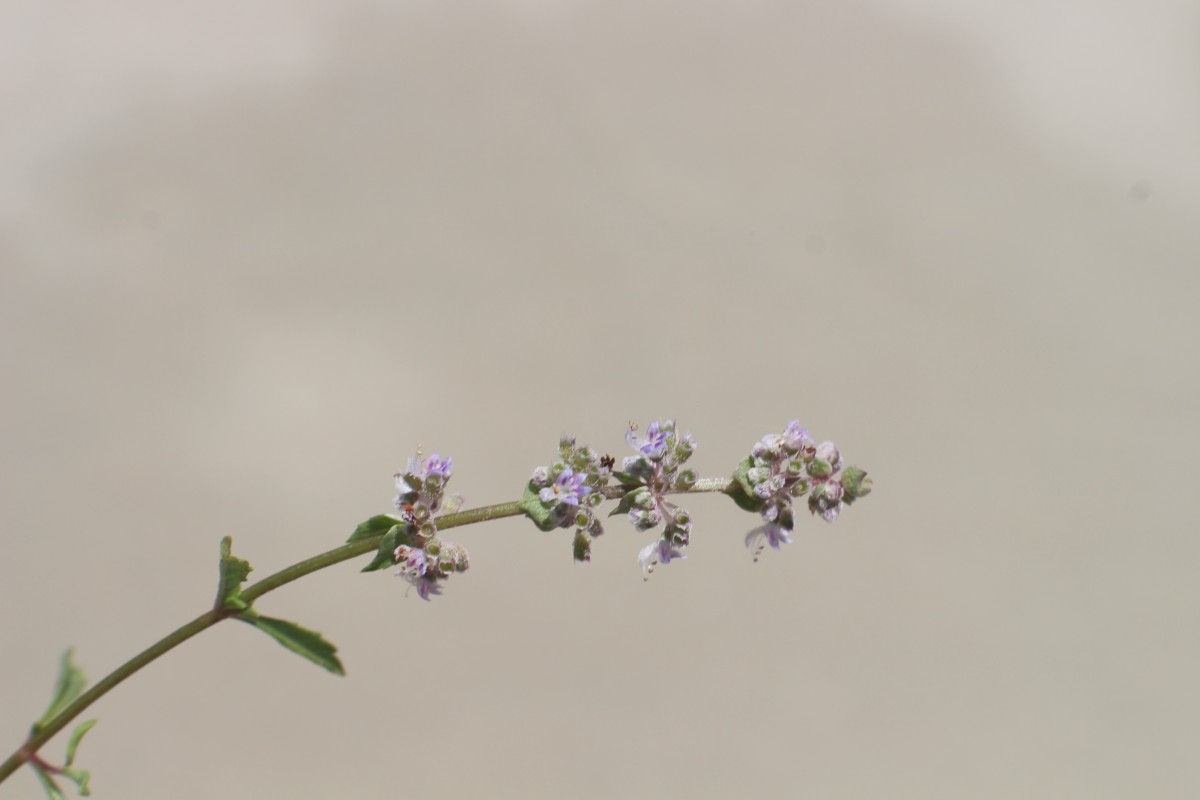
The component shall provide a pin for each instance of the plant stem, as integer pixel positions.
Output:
(27, 752)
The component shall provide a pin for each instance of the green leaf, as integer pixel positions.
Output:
(742, 490)
(375, 526)
(301, 641)
(628, 478)
(49, 786)
(233, 573)
(76, 736)
(385, 556)
(537, 511)
(628, 501)
(80, 778)
(69, 685)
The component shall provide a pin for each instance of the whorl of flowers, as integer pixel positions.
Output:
(425, 559)
(783, 467)
(655, 472)
(566, 494)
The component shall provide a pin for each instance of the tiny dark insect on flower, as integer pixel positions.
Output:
(607, 461)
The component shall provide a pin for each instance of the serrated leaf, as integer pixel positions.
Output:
(67, 687)
(627, 501)
(232, 574)
(303, 642)
(533, 507)
(49, 786)
(375, 526)
(385, 555)
(76, 736)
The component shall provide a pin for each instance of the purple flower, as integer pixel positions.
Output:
(660, 551)
(769, 534)
(796, 438)
(568, 489)
(435, 466)
(653, 445)
(427, 587)
(412, 561)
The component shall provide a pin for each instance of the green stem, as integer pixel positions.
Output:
(38, 738)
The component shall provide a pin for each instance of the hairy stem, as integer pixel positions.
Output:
(28, 751)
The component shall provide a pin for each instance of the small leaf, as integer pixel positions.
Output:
(375, 526)
(628, 501)
(76, 737)
(537, 511)
(301, 641)
(49, 786)
(69, 685)
(233, 573)
(628, 478)
(742, 491)
(80, 778)
(385, 556)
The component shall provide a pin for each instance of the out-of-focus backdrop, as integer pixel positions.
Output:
(252, 254)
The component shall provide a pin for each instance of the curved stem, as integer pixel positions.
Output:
(27, 752)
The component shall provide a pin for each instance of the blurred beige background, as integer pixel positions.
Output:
(252, 253)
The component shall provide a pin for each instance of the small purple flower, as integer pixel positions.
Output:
(427, 587)
(653, 445)
(435, 466)
(569, 489)
(660, 551)
(769, 534)
(412, 561)
(796, 438)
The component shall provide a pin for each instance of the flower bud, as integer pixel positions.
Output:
(820, 469)
(582, 547)
(685, 447)
(828, 452)
(686, 479)
(856, 483)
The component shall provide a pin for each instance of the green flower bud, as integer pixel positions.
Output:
(798, 488)
(820, 469)
(582, 547)
(856, 483)
(686, 479)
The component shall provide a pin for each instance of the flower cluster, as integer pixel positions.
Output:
(779, 469)
(785, 466)
(656, 471)
(566, 493)
(425, 558)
